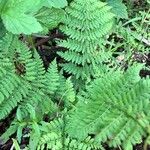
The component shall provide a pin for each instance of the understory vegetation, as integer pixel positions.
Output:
(74, 75)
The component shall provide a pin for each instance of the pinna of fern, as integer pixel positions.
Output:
(86, 24)
(115, 109)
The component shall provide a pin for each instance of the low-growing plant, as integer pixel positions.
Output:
(83, 92)
(86, 24)
(25, 16)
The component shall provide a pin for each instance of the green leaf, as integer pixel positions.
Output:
(18, 23)
(35, 136)
(30, 7)
(70, 94)
(31, 111)
(118, 8)
(19, 133)
(127, 146)
(57, 3)
(11, 130)
(16, 145)
(19, 115)
(49, 18)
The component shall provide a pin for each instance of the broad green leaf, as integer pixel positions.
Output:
(56, 3)
(49, 18)
(118, 8)
(29, 6)
(18, 23)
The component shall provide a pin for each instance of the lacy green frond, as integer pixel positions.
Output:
(115, 109)
(54, 137)
(86, 24)
(25, 85)
(11, 130)
(52, 78)
(23, 79)
(65, 94)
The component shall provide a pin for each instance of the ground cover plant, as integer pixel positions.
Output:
(74, 75)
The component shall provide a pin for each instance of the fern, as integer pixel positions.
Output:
(115, 109)
(65, 94)
(86, 23)
(49, 135)
(10, 84)
(23, 78)
(94, 102)
(52, 78)
(54, 138)
(26, 85)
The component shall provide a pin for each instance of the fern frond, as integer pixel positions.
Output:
(70, 93)
(52, 78)
(86, 23)
(87, 144)
(17, 95)
(8, 38)
(65, 93)
(53, 138)
(115, 110)
(23, 79)
(11, 130)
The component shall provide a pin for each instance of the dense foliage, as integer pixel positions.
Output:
(74, 75)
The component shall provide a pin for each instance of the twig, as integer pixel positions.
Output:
(42, 41)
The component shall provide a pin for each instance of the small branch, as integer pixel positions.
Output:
(42, 41)
(47, 51)
(40, 36)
